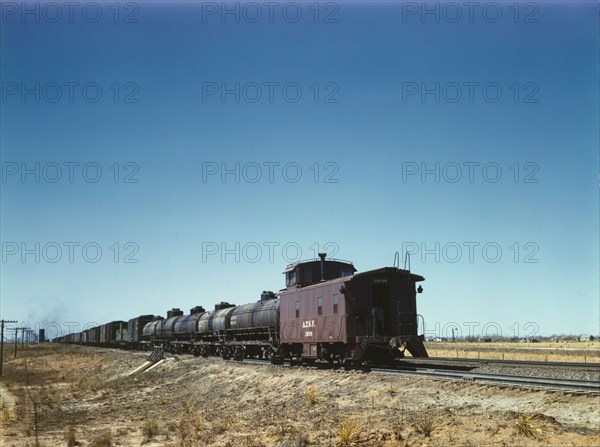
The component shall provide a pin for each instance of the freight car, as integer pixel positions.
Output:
(349, 316)
(326, 311)
(135, 328)
(113, 334)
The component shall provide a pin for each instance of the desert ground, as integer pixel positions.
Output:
(565, 351)
(71, 395)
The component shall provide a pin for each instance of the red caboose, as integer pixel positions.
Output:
(330, 312)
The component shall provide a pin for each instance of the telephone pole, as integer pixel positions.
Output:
(30, 336)
(2, 341)
(22, 329)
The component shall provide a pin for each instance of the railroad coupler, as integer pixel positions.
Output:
(397, 346)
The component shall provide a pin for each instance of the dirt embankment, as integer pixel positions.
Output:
(84, 397)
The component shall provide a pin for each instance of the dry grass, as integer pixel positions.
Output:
(190, 427)
(268, 407)
(349, 432)
(103, 439)
(585, 352)
(297, 441)
(530, 425)
(398, 426)
(425, 425)
(311, 396)
(71, 437)
(6, 415)
(281, 421)
(150, 429)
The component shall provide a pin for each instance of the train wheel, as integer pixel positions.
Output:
(276, 360)
(239, 354)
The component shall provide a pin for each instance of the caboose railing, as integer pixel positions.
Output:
(421, 319)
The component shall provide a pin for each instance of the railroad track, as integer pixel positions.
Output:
(546, 383)
(549, 383)
(479, 362)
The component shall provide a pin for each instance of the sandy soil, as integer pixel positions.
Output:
(84, 397)
(572, 351)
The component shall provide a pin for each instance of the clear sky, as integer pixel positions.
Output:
(158, 155)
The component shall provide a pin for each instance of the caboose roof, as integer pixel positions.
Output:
(292, 266)
(379, 271)
(392, 270)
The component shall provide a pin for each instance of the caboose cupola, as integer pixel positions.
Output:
(305, 273)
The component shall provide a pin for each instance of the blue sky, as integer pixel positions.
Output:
(346, 109)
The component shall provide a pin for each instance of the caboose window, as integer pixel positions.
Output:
(320, 305)
(291, 278)
(336, 298)
(297, 309)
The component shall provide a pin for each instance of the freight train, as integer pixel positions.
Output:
(327, 311)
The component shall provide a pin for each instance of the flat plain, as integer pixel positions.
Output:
(563, 351)
(56, 395)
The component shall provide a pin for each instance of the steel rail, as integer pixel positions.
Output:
(546, 383)
(592, 386)
(576, 365)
